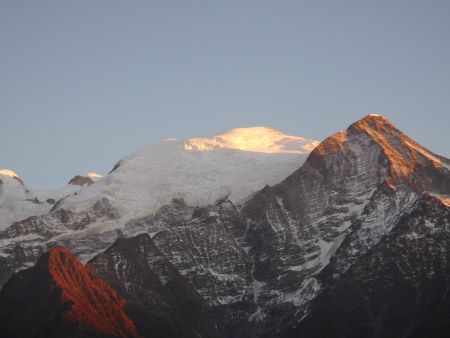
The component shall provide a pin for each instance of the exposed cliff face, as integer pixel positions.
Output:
(60, 297)
(408, 160)
(349, 194)
(93, 302)
(400, 288)
(93, 216)
(267, 265)
(130, 290)
(23, 242)
(159, 298)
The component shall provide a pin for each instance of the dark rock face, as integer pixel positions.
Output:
(205, 250)
(203, 244)
(159, 298)
(352, 244)
(59, 297)
(81, 180)
(23, 242)
(398, 289)
(130, 290)
(352, 190)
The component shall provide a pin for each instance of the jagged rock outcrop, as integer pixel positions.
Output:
(130, 290)
(352, 189)
(160, 300)
(23, 242)
(365, 196)
(59, 297)
(81, 180)
(400, 288)
(86, 179)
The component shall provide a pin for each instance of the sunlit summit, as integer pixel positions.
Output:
(254, 139)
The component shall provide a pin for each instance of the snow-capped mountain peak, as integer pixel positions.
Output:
(254, 139)
(18, 201)
(8, 173)
(358, 207)
(199, 170)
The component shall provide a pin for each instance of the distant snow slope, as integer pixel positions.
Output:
(18, 201)
(201, 171)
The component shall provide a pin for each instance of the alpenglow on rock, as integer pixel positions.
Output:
(92, 214)
(352, 242)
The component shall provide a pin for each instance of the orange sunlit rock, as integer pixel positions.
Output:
(332, 144)
(403, 164)
(403, 153)
(94, 303)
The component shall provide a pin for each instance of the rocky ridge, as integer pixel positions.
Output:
(268, 264)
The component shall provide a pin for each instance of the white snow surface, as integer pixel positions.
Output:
(93, 175)
(255, 139)
(18, 201)
(154, 176)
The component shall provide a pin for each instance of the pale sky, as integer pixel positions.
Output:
(84, 83)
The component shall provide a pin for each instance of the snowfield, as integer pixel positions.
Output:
(17, 201)
(143, 182)
(201, 171)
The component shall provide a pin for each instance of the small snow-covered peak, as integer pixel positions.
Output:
(11, 174)
(8, 172)
(254, 139)
(93, 175)
(85, 179)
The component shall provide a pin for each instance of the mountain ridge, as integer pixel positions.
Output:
(69, 300)
(263, 266)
